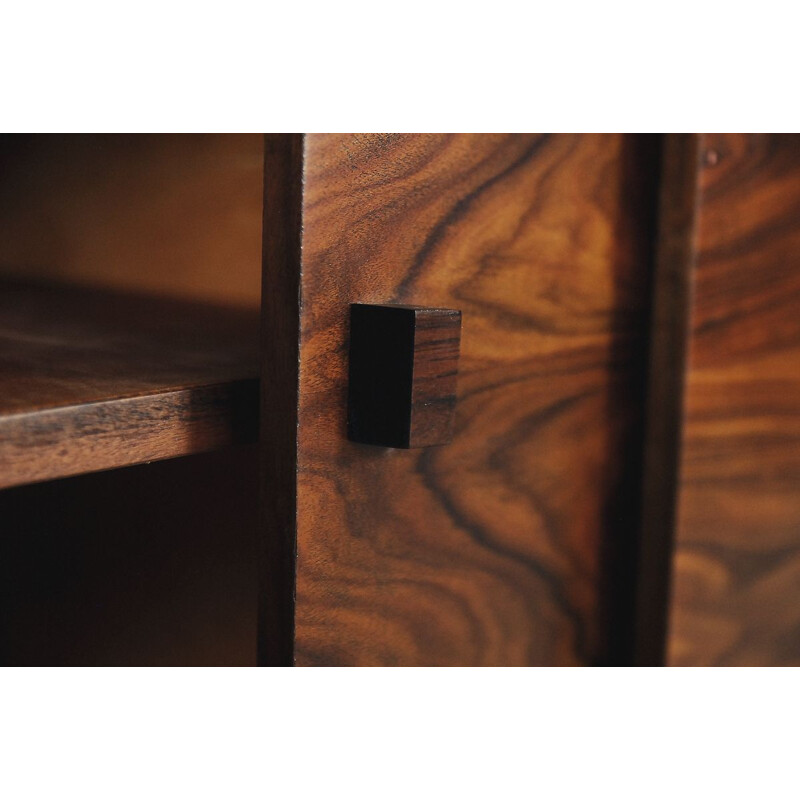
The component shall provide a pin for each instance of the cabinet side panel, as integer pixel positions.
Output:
(493, 549)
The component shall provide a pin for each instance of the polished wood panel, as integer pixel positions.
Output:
(95, 379)
(172, 214)
(736, 592)
(497, 548)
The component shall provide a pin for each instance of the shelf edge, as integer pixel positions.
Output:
(73, 440)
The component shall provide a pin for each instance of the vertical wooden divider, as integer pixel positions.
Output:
(666, 369)
(280, 337)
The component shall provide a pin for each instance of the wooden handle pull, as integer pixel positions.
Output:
(403, 370)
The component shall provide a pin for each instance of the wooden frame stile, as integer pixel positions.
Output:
(666, 368)
(280, 337)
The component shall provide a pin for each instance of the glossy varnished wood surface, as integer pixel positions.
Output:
(91, 380)
(736, 586)
(497, 548)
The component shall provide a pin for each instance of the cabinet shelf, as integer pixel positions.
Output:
(93, 380)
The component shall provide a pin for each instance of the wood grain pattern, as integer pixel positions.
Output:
(171, 214)
(91, 380)
(736, 593)
(493, 549)
(437, 339)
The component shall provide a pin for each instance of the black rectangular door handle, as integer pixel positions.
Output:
(403, 370)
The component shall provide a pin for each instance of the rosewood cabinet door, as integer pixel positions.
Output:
(510, 544)
(723, 504)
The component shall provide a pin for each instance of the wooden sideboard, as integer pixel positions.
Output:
(621, 484)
